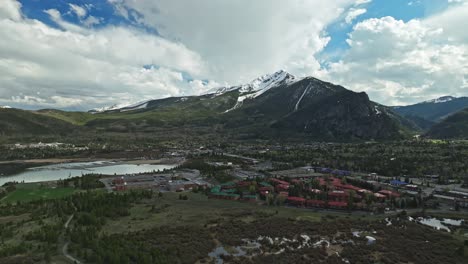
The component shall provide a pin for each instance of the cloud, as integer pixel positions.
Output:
(361, 2)
(80, 68)
(55, 16)
(399, 62)
(203, 44)
(78, 10)
(91, 21)
(241, 40)
(353, 13)
(10, 9)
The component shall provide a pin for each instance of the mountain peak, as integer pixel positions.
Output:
(273, 79)
(262, 83)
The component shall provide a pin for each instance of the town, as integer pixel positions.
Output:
(256, 181)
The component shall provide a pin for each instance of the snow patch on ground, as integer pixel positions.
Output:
(443, 224)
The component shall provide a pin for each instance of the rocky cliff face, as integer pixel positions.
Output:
(343, 116)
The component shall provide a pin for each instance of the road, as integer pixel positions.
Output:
(106, 184)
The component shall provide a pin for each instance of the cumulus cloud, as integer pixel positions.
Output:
(75, 67)
(241, 40)
(399, 62)
(219, 43)
(10, 9)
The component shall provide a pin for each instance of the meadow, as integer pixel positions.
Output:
(33, 191)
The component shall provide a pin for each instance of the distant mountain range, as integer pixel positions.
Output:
(277, 105)
(434, 110)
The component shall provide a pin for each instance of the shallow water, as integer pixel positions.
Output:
(66, 170)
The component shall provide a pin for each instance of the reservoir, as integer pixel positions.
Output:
(67, 170)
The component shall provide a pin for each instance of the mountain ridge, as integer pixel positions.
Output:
(434, 110)
(277, 105)
(454, 126)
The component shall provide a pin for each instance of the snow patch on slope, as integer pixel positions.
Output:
(262, 83)
(122, 107)
(306, 90)
(442, 99)
(258, 86)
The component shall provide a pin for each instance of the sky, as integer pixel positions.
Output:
(82, 54)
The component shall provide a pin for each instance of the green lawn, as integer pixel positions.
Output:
(30, 192)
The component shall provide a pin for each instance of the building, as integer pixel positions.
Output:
(296, 201)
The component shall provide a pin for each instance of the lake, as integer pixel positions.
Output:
(66, 170)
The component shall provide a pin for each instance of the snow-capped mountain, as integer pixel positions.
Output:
(5, 107)
(249, 90)
(434, 110)
(442, 99)
(260, 84)
(273, 105)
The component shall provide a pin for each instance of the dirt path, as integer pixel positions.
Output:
(65, 246)
(68, 256)
(68, 221)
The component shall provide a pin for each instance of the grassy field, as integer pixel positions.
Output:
(33, 191)
(198, 210)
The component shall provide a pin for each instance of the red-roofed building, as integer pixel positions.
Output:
(322, 182)
(337, 205)
(350, 187)
(389, 193)
(118, 181)
(282, 187)
(363, 191)
(276, 181)
(297, 181)
(298, 201)
(380, 196)
(338, 196)
(315, 203)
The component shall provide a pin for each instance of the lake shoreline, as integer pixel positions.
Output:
(58, 171)
(72, 160)
(13, 167)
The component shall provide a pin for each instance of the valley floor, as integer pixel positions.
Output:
(190, 228)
